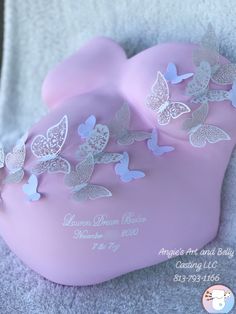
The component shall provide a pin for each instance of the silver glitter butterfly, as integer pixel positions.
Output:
(119, 128)
(198, 86)
(14, 162)
(209, 52)
(209, 48)
(159, 101)
(199, 132)
(95, 145)
(78, 180)
(47, 149)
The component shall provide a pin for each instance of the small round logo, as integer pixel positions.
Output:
(218, 299)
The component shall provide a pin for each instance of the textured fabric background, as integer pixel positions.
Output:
(37, 35)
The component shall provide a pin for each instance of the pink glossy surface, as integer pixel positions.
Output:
(180, 195)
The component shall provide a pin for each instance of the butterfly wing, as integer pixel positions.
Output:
(198, 138)
(198, 117)
(85, 169)
(15, 177)
(207, 133)
(83, 173)
(81, 195)
(182, 77)
(85, 129)
(35, 197)
(177, 109)
(30, 188)
(52, 144)
(206, 54)
(172, 76)
(131, 175)
(159, 93)
(210, 39)
(153, 146)
(217, 95)
(129, 137)
(215, 134)
(199, 84)
(91, 192)
(163, 117)
(15, 160)
(97, 191)
(209, 49)
(171, 72)
(121, 121)
(55, 165)
(119, 128)
(163, 149)
(58, 165)
(122, 166)
(96, 142)
(225, 74)
(123, 171)
(40, 167)
(107, 158)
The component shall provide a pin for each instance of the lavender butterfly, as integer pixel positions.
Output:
(79, 179)
(47, 149)
(159, 101)
(198, 86)
(153, 146)
(119, 128)
(95, 145)
(85, 129)
(199, 132)
(232, 95)
(209, 52)
(172, 76)
(30, 188)
(122, 169)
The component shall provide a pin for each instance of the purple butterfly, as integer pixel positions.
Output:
(153, 146)
(86, 128)
(172, 76)
(122, 170)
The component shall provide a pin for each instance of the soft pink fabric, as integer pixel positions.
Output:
(179, 197)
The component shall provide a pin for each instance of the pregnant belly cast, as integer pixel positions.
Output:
(129, 160)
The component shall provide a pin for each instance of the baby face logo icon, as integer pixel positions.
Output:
(218, 299)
